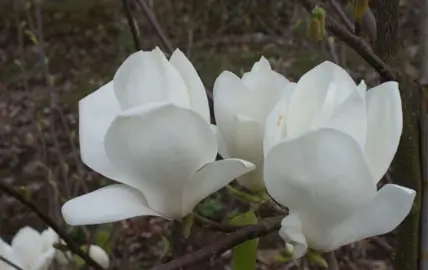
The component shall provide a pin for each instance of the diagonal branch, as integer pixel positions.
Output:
(131, 23)
(342, 15)
(208, 252)
(11, 264)
(51, 223)
(355, 42)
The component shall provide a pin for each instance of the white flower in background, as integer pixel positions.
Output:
(326, 148)
(149, 130)
(6, 252)
(241, 107)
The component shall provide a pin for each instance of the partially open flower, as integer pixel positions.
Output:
(326, 148)
(241, 107)
(149, 130)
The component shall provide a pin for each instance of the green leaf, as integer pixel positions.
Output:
(243, 196)
(244, 255)
(102, 239)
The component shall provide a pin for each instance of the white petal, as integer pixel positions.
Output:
(146, 77)
(195, 87)
(249, 146)
(221, 144)
(384, 126)
(291, 232)
(262, 64)
(275, 127)
(99, 255)
(310, 93)
(96, 112)
(231, 98)
(160, 146)
(44, 260)
(211, 178)
(7, 252)
(388, 209)
(49, 237)
(27, 245)
(323, 174)
(350, 118)
(108, 204)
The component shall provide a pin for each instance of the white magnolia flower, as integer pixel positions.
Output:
(327, 146)
(29, 250)
(50, 238)
(149, 130)
(241, 107)
(6, 252)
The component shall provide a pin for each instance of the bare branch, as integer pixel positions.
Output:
(148, 12)
(51, 223)
(131, 23)
(355, 42)
(215, 226)
(208, 252)
(342, 15)
(332, 261)
(6, 261)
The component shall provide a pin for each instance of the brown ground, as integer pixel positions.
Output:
(85, 41)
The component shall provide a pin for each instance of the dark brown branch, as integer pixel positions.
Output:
(217, 248)
(355, 42)
(131, 23)
(342, 15)
(6, 261)
(148, 12)
(332, 261)
(51, 223)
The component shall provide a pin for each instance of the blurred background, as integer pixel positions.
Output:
(56, 52)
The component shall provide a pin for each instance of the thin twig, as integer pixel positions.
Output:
(51, 223)
(332, 261)
(355, 42)
(6, 261)
(131, 23)
(215, 226)
(342, 15)
(148, 12)
(217, 248)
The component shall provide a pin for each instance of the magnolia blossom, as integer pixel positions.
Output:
(31, 250)
(326, 147)
(241, 107)
(149, 130)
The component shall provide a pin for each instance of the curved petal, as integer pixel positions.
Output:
(49, 237)
(44, 260)
(146, 77)
(323, 175)
(311, 91)
(107, 204)
(195, 87)
(221, 144)
(387, 210)
(384, 126)
(99, 255)
(275, 127)
(160, 146)
(27, 245)
(231, 97)
(210, 178)
(262, 64)
(7, 252)
(96, 113)
(292, 233)
(249, 146)
(350, 118)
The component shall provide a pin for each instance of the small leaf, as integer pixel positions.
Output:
(187, 224)
(166, 246)
(245, 254)
(360, 7)
(243, 196)
(102, 239)
(316, 29)
(316, 258)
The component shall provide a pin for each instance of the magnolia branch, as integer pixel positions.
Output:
(73, 247)
(131, 23)
(6, 261)
(211, 251)
(355, 42)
